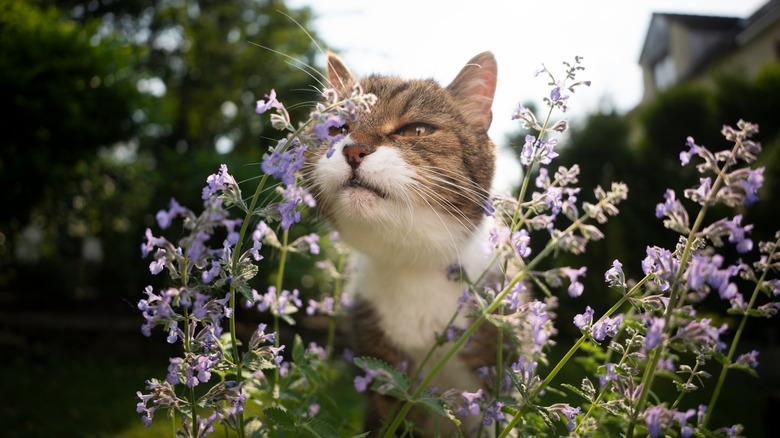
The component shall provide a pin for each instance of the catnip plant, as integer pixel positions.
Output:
(261, 387)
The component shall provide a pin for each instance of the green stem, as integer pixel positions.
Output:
(733, 348)
(566, 358)
(647, 378)
(690, 379)
(279, 282)
(527, 176)
(551, 245)
(336, 298)
(608, 385)
(234, 266)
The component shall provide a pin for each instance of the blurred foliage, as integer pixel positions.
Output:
(642, 149)
(118, 106)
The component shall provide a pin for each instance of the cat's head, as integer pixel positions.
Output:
(411, 177)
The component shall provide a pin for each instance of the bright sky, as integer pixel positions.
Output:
(421, 39)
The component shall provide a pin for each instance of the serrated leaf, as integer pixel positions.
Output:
(576, 390)
(298, 351)
(685, 387)
(322, 429)
(253, 428)
(244, 289)
(247, 271)
(254, 361)
(721, 358)
(430, 403)
(744, 368)
(399, 378)
(281, 418)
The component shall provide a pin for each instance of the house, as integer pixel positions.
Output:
(680, 48)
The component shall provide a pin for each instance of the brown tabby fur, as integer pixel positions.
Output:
(454, 168)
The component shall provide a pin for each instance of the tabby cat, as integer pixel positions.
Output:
(406, 188)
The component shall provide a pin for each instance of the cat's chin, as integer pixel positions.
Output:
(357, 186)
(362, 201)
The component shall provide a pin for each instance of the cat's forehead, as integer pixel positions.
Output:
(409, 99)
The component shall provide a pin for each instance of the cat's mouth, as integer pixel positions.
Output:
(357, 182)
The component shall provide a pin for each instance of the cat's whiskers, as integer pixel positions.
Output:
(466, 183)
(298, 64)
(422, 190)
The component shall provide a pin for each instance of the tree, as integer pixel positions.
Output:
(126, 101)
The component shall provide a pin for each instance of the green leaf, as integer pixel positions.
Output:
(396, 376)
(253, 428)
(577, 391)
(254, 361)
(322, 428)
(244, 289)
(281, 418)
(431, 403)
(298, 351)
(745, 368)
(721, 358)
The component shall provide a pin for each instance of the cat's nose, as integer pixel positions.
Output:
(355, 154)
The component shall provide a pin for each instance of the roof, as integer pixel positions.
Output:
(730, 32)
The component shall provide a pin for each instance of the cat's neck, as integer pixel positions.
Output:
(419, 240)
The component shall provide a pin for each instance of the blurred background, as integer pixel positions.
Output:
(116, 106)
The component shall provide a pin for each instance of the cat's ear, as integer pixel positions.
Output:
(339, 75)
(474, 88)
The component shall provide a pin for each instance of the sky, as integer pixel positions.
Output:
(434, 39)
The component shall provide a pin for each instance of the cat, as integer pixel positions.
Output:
(406, 188)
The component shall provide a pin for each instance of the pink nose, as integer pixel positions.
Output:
(355, 155)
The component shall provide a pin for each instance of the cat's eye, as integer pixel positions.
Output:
(415, 130)
(338, 130)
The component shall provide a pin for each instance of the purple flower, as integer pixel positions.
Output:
(610, 375)
(520, 241)
(749, 359)
(667, 206)
(682, 418)
(173, 370)
(513, 297)
(543, 179)
(221, 180)
(497, 237)
(547, 152)
(582, 320)
(312, 241)
(606, 327)
(164, 217)
(212, 273)
(263, 106)
(284, 164)
(322, 129)
(701, 193)
(470, 406)
(361, 382)
(575, 287)
(614, 275)
(653, 420)
(493, 412)
(525, 369)
(661, 264)
(655, 332)
(685, 156)
(738, 234)
(704, 270)
(537, 320)
(527, 153)
(570, 413)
